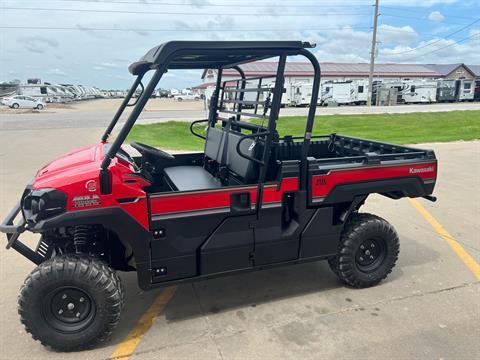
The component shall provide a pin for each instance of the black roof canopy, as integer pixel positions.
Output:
(213, 54)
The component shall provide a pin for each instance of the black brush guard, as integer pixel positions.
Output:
(13, 232)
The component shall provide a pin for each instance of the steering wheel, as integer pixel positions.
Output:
(150, 150)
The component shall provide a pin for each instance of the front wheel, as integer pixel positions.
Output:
(15, 106)
(71, 302)
(39, 107)
(368, 251)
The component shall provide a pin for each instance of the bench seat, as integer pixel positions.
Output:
(186, 178)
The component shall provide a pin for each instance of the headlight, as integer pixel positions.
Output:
(42, 204)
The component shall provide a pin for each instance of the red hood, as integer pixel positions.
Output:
(76, 164)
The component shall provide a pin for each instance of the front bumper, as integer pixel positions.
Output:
(13, 232)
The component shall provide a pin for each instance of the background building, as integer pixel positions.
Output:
(302, 72)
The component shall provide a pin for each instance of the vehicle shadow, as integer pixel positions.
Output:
(250, 289)
(226, 293)
(242, 291)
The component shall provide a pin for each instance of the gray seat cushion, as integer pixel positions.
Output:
(185, 178)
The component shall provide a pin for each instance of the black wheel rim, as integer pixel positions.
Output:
(370, 255)
(68, 309)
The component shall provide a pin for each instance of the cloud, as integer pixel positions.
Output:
(422, 3)
(435, 51)
(344, 45)
(436, 16)
(109, 65)
(39, 44)
(404, 35)
(56, 72)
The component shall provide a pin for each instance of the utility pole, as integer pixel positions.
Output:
(372, 56)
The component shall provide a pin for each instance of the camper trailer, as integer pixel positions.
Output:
(43, 92)
(343, 93)
(419, 92)
(302, 93)
(326, 91)
(360, 92)
(465, 89)
(476, 95)
(446, 91)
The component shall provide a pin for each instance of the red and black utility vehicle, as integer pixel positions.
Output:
(252, 200)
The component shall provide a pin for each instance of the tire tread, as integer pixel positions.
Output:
(95, 271)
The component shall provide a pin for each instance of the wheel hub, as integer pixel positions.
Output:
(68, 309)
(369, 255)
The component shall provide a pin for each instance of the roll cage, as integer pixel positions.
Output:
(220, 55)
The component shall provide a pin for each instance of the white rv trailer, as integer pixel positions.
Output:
(419, 91)
(46, 93)
(326, 92)
(301, 94)
(343, 92)
(361, 91)
(465, 89)
(64, 94)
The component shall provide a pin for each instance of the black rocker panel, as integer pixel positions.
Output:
(229, 247)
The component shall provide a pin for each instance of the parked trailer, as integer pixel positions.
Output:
(361, 92)
(464, 89)
(326, 92)
(419, 92)
(446, 91)
(476, 95)
(343, 93)
(44, 92)
(302, 93)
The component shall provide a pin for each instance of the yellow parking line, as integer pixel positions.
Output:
(126, 348)
(454, 244)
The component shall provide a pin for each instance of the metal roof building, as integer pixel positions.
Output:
(301, 71)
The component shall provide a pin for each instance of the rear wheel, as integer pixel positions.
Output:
(368, 251)
(71, 302)
(15, 106)
(39, 107)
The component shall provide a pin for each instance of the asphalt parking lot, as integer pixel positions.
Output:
(98, 113)
(428, 308)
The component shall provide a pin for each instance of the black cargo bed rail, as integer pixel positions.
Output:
(353, 152)
(351, 146)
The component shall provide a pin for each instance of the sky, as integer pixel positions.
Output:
(92, 42)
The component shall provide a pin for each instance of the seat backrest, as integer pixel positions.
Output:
(214, 143)
(244, 168)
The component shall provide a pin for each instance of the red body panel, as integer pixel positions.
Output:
(77, 175)
(323, 184)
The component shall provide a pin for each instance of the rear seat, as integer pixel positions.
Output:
(185, 178)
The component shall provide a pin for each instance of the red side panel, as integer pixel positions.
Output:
(271, 195)
(197, 200)
(323, 184)
(201, 200)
